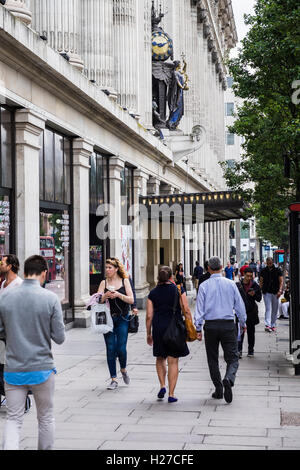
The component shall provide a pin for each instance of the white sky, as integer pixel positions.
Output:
(240, 7)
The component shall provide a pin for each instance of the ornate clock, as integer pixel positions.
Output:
(162, 46)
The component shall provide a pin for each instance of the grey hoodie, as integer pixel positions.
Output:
(30, 317)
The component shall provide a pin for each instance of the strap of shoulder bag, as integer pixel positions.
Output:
(175, 301)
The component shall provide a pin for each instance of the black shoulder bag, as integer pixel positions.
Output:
(175, 335)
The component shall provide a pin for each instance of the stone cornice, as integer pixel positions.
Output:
(21, 48)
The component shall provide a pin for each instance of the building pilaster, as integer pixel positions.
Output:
(140, 243)
(29, 126)
(116, 165)
(82, 151)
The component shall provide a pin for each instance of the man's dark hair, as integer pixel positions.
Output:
(14, 262)
(35, 265)
(206, 265)
(197, 263)
(248, 270)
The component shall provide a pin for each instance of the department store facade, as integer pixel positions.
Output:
(77, 133)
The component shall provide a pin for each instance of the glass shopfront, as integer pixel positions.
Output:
(99, 195)
(56, 216)
(7, 242)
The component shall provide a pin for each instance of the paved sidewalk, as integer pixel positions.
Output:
(90, 417)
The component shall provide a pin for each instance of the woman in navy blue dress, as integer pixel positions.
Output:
(160, 308)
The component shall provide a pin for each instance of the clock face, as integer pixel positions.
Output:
(162, 46)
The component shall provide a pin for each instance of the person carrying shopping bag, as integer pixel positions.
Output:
(117, 290)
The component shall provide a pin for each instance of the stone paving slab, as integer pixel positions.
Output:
(220, 447)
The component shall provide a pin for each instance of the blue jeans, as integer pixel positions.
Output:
(116, 342)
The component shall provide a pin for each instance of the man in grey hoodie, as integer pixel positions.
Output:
(30, 317)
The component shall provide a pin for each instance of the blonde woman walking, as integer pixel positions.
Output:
(117, 290)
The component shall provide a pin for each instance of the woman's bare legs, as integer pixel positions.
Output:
(172, 374)
(161, 368)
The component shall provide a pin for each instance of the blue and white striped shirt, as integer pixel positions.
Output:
(219, 299)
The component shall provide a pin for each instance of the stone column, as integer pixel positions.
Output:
(144, 105)
(97, 43)
(187, 229)
(59, 21)
(125, 52)
(20, 9)
(29, 126)
(238, 240)
(116, 165)
(153, 237)
(140, 244)
(82, 151)
(207, 241)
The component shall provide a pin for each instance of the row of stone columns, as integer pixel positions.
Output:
(109, 40)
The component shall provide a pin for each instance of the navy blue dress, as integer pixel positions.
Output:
(162, 297)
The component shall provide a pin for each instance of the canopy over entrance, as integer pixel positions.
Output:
(223, 205)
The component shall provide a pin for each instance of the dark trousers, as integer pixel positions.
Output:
(224, 332)
(251, 338)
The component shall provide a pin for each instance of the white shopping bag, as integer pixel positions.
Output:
(101, 320)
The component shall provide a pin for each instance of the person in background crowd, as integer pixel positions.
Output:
(205, 276)
(251, 293)
(9, 267)
(198, 272)
(117, 290)
(258, 268)
(179, 276)
(217, 298)
(30, 317)
(271, 283)
(236, 268)
(229, 271)
(242, 269)
(253, 266)
(284, 305)
(160, 310)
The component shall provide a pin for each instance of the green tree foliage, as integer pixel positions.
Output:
(269, 119)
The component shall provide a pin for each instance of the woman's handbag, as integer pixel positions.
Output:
(175, 335)
(191, 332)
(133, 324)
(101, 320)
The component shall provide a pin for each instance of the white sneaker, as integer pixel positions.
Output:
(113, 385)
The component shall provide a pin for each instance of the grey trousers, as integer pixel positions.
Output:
(15, 402)
(224, 332)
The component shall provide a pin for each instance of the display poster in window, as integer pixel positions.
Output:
(96, 259)
(126, 247)
(4, 225)
(54, 247)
